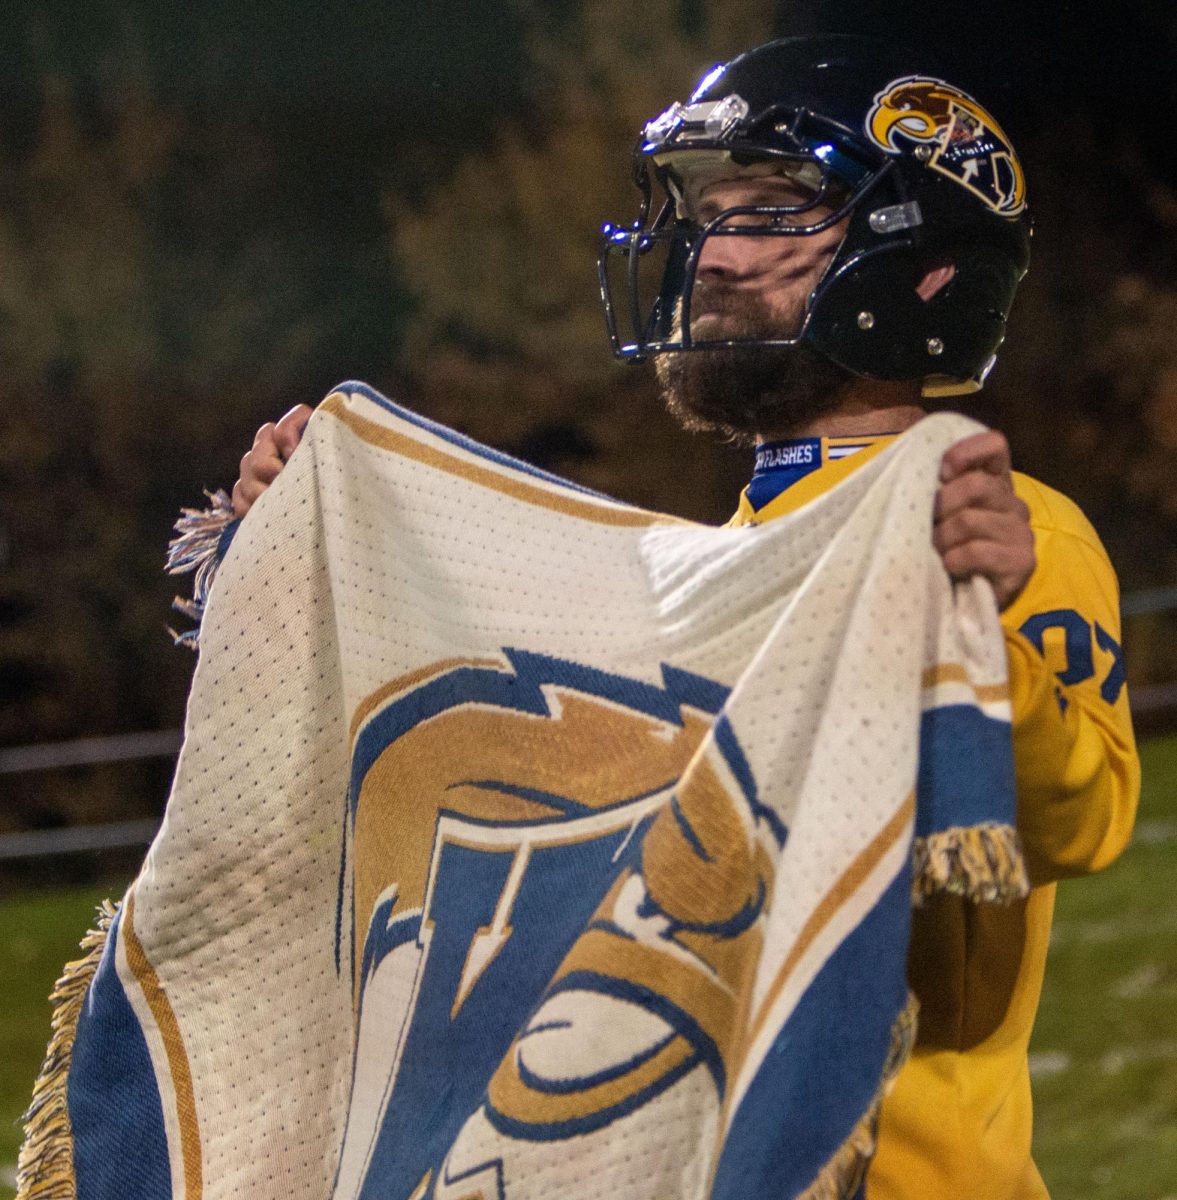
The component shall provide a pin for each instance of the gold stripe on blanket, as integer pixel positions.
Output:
(173, 1041)
(956, 673)
(599, 512)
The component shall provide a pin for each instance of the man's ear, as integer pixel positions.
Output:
(934, 280)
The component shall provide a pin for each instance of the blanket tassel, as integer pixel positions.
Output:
(197, 547)
(982, 862)
(45, 1168)
(842, 1175)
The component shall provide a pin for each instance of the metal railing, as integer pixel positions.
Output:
(1148, 600)
(130, 747)
(124, 747)
(76, 839)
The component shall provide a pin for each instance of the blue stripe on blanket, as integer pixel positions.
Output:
(114, 1103)
(822, 1073)
(966, 771)
(226, 538)
(466, 443)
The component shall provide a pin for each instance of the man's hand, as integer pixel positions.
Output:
(981, 527)
(272, 446)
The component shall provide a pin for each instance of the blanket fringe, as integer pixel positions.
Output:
(45, 1168)
(980, 862)
(841, 1177)
(197, 547)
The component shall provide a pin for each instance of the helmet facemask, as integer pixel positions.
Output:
(654, 262)
(765, 234)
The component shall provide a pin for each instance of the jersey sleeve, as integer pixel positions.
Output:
(1078, 773)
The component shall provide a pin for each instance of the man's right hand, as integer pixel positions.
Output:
(272, 446)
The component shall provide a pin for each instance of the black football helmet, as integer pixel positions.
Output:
(924, 174)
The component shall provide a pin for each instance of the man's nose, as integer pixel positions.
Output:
(734, 257)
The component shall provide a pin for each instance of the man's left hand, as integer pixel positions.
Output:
(980, 525)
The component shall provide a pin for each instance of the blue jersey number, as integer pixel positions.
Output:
(1079, 640)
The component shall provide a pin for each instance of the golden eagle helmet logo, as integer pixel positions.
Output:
(952, 134)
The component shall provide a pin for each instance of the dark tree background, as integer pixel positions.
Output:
(211, 212)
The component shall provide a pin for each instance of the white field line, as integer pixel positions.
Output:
(1140, 982)
(1045, 1064)
(1100, 933)
(1151, 833)
(1116, 1059)
(1096, 933)
(1145, 1126)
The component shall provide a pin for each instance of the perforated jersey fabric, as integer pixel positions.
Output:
(526, 844)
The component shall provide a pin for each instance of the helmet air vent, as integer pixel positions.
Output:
(895, 217)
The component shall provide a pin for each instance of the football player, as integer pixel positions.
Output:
(830, 236)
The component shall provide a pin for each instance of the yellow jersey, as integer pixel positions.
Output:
(957, 1124)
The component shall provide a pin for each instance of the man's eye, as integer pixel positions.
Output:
(765, 220)
(752, 220)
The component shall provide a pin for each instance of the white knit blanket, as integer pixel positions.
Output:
(527, 845)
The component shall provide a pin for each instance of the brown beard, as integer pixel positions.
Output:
(741, 391)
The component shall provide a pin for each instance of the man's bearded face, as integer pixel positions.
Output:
(753, 287)
(741, 391)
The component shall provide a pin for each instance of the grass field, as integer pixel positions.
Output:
(1104, 1056)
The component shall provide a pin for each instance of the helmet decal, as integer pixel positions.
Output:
(957, 136)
